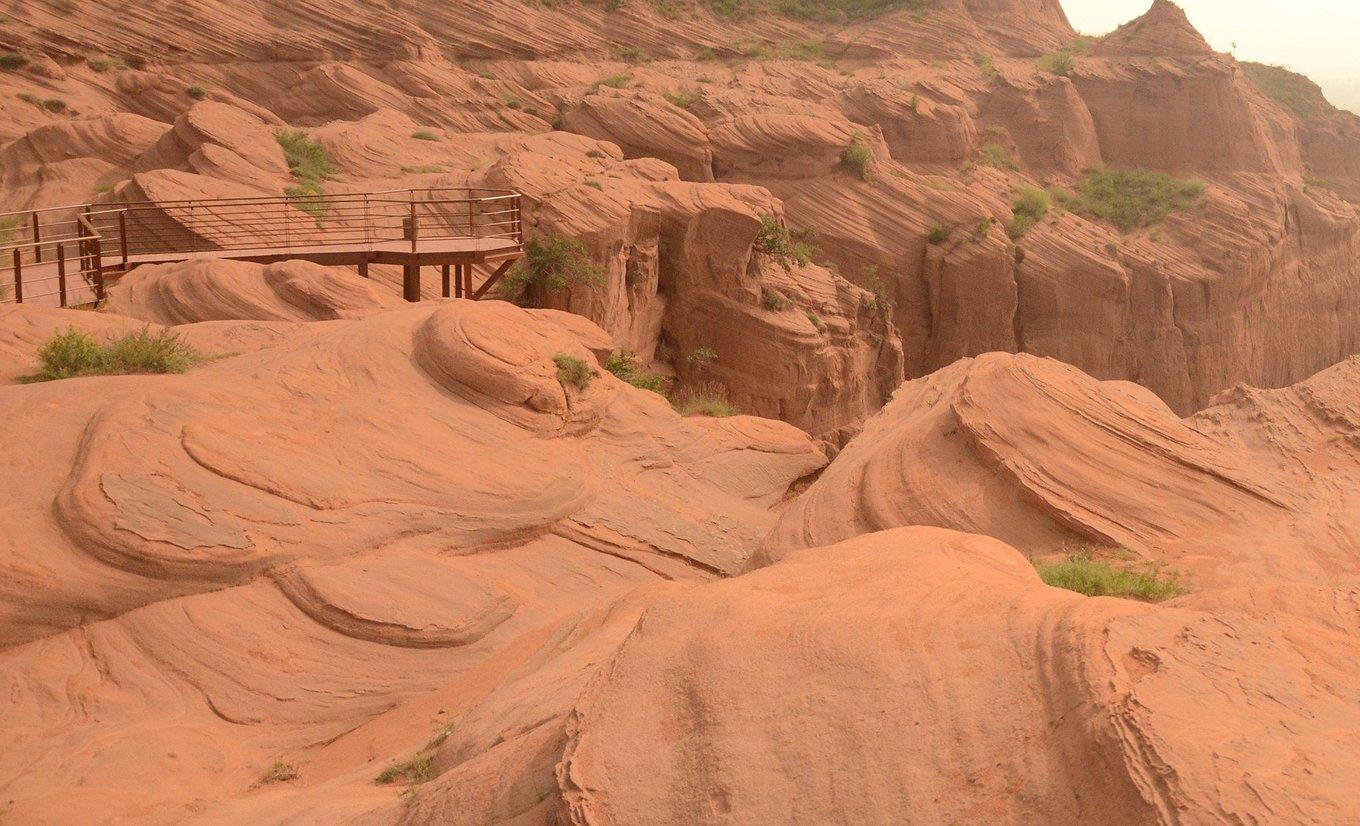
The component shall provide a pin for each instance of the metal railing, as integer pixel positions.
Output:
(65, 252)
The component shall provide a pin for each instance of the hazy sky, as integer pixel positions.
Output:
(1315, 37)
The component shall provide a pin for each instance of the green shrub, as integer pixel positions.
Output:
(12, 61)
(425, 135)
(417, 770)
(786, 247)
(54, 105)
(426, 169)
(572, 372)
(685, 98)
(1030, 206)
(73, 354)
(983, 229)
(630, 54)
(553, 263)
(704, 399)
(196, 92)
(1130, 198)
(30, 98)
(307, 159)
(939, 234)
(857, 157)
(773, 300)
(701, 359)
(623, 363)
(1084, 574)
(1063, 61)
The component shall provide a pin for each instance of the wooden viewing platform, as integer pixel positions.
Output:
(67, 256)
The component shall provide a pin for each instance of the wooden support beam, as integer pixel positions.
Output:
(363, 267)
(444, 272)
(410, 282)
(468, 269)
(491, 282)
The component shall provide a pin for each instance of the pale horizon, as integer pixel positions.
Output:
(1314, 37)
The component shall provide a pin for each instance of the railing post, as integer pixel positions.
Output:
(445, 272)
(37, 239)
(472, 220)
(413, 231)
(61, 271)
(97, 256)
(18, 277)
(122, 237)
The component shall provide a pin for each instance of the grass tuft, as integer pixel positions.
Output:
(311, 167)
(1084, 574)
(74, 354)
(707, 398)
(196, 92)
(417, 770)
(425, 135)
(12, 61)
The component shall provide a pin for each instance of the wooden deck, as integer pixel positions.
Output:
(65, 261)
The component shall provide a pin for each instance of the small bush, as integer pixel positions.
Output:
(857, 157)
(810, 50)
(105, 64)
(1029, 208)
(425, 135)
(54, 105)
(704, 399)
(427, 169)
(196, 92)
(1084, 574)
(623, 363)
(773, 300)
(939, 234)
(553, 263)
(307, 159)
(417, 770)
(30, 98)
(983, 229)
(1058, 63)
(701, 359)
(572, 372)
(788, 248)
(280, 772)
(12, 61)
(684, 98)
(630, 54)
(73, 354)
(512, 102)
(1130, 198)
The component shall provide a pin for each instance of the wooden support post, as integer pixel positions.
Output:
(61, 272)
(444, 271)
(410, 282)
(18, 277)
(495, 276)
(363, 267)
(467, 279)
(37, 240)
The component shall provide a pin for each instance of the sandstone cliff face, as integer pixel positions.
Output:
(1186, 309)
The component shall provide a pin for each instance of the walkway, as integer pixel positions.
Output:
(67, 256)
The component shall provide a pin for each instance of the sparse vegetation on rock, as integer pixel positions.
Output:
(1030, 206)
(788, 248)
(1130, 198)
(552, 263)
(707, 398)
(311, 166)
(74, 354)
(1084, 573)
(573, 372)
(857, 157)
(623, 363)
